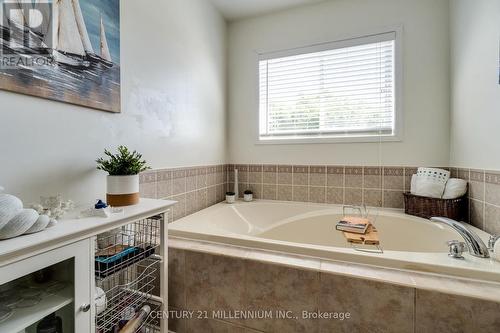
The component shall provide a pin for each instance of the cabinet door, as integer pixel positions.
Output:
(81, 253)
(84, 282)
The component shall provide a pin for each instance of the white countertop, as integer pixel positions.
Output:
(70, 230)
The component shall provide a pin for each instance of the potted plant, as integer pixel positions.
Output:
(230, 197)
(247, 196)
(123, 171)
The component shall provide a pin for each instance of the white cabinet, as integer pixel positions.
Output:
(67, 253)
(71, 265)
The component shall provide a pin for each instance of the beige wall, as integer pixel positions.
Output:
(475, 92)
(426, 79)
(173, 106)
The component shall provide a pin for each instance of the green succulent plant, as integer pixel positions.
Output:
(124, 163)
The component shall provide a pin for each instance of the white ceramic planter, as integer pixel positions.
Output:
(247, 197)
(230, 199)
(122, 190)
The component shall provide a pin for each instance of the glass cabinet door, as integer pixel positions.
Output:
(49, 292)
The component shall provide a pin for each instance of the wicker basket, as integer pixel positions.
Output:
(425, 207)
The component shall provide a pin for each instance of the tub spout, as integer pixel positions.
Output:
(474, 243)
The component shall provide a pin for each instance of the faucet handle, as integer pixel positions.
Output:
(456, 249)
(492, 241)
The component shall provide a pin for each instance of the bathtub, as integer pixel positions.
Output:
(308, 230)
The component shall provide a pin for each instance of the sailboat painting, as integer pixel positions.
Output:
(63, 50)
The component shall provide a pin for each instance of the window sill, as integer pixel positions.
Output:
(327, 140)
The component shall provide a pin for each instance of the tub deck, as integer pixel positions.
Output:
(303, 235)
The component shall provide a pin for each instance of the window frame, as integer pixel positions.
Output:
(344, 41)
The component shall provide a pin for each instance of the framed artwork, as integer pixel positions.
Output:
(62, 50)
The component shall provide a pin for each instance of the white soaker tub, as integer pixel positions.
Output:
(408, 242)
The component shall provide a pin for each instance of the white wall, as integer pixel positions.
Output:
(475, 36)
(173, 107)
(426, 82)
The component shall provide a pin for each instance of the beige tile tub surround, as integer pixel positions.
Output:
(194, 188)
(443, 313)
(270, 174)
(353, 177)
(374, 186)
(354, 185)
(372, 178)
(202, 278)
(484, 197)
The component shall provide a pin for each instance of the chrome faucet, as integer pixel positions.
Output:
(474, 243)
(493, 240)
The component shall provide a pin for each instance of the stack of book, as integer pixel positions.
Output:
(358, 230)
(356, 225)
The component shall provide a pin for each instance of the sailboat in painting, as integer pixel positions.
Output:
(105, 56)
(65, 32)
(74, 42)
(67, 45)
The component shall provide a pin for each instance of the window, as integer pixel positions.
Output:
(345, 89)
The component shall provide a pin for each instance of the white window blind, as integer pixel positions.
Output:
(344, 88)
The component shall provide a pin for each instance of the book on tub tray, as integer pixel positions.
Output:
(356, 225)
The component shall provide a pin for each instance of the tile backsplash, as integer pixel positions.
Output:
(484, 197)
(199, 187)
(194, 188)
(373, 186)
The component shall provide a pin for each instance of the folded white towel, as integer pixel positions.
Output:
(430, 182)
(455, 188)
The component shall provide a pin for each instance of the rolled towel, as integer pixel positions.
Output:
(430, 182)
(455, 188)
(413, 187)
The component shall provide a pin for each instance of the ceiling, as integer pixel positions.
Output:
(238, 9)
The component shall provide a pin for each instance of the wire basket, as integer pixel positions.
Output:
(122, 247)
(126, 269)
(126, 292)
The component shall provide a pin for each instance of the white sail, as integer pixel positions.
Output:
(104, 44)
(68, 36)
(82, 28)
(53, 27)
(41, 7)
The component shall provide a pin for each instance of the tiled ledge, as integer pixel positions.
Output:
(196, 188)
(483, 290)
